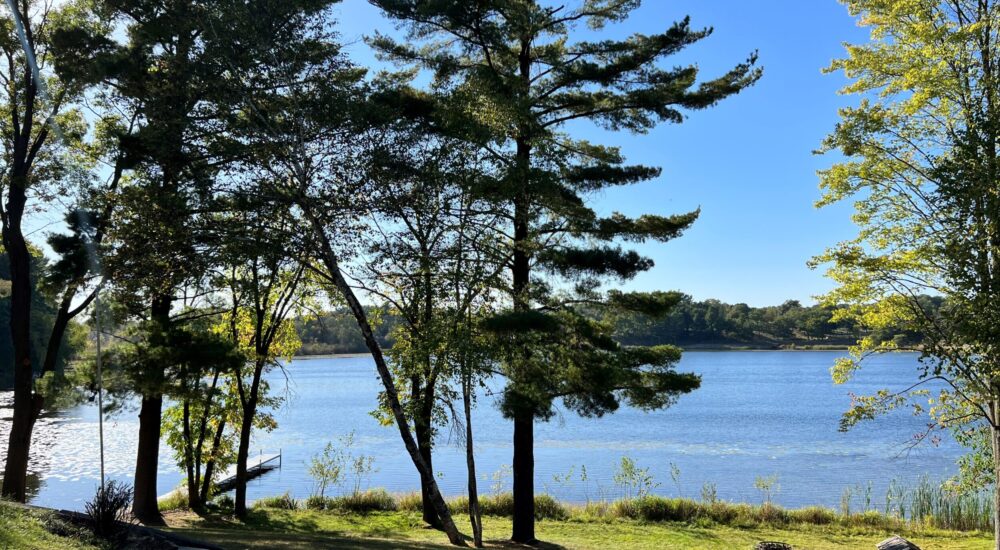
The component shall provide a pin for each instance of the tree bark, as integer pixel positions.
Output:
(524, 480)
(475, 516)
(193, 468)
(243, 452)
(995, 442)
(249, 405)
(523, 529)
(144, 506)
(424, 433)
(206, 480)
(22, 424)
(334, 275)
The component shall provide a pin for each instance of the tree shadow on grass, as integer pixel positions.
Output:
(302, 532)
(249, 539)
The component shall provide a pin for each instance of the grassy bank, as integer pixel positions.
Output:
(313, 529)
(26, 529)
(378, 519)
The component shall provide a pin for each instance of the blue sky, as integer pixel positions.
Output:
(748, 163)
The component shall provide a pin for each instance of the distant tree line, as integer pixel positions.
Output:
(692, 323)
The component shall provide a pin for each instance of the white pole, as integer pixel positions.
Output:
(100, 382)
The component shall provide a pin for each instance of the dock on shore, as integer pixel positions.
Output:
(256, 467)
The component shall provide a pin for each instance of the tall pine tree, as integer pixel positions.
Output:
(516, 79)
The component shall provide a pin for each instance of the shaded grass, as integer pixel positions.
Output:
(25, 529)
(311, 529)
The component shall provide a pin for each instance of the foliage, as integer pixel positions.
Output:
(767, 486)
(372, 500)
(334, 464)
(924, 506)
(920, 166)
(108, 510)
(327, 468)
(688, 323)
(633, 481)
(283, 502)
(44, 306)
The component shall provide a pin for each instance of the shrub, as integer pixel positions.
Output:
(597, 509)
(458, 505)
(374, 500)
(413, 502)
(224, 501)
(769, 513)
(651, 508)
(501, 504)
(316, 502)
(109, 509)
(283, 502)
(547, 507)
(176, 500)
(814, 515)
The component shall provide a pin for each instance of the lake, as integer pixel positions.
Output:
(758, 413)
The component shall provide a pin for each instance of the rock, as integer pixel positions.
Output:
(896, 543)
(772, 545)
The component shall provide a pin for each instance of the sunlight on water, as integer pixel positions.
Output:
(757, 414)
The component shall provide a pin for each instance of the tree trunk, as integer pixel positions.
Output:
(424, 432)
(475, 516)
(330, 261)
(524, 461)
(144, 506)
(206, 480)
(189, 461)
(995, 441)
(243, 452)
(22, 424)
(240, 507)
(524, 480)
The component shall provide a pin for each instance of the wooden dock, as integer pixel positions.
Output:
(256, 467)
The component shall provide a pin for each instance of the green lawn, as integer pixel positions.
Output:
(23, 529)
(307, 529)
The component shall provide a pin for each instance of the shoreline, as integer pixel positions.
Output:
(693, 347)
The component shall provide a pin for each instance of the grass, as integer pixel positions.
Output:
(26, 529)
(316, 529)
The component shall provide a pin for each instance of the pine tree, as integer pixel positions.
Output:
(516, 79)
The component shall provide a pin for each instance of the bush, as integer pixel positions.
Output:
(283, 502)
(769, 513)
(374, 500)
(547, 507)
(814, 515)
(176, 500)
(413, 502)
(109, 509)
(316, 502)
(653, 508)
(502, 505)
(497, 505)
(224, 501)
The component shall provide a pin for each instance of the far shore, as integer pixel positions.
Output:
(693, 347)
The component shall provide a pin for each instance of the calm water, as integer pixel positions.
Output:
(757, 414)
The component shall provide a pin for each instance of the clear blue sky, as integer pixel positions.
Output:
(747, 163)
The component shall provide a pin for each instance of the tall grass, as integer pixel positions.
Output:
(931, 504)
(925, 505)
